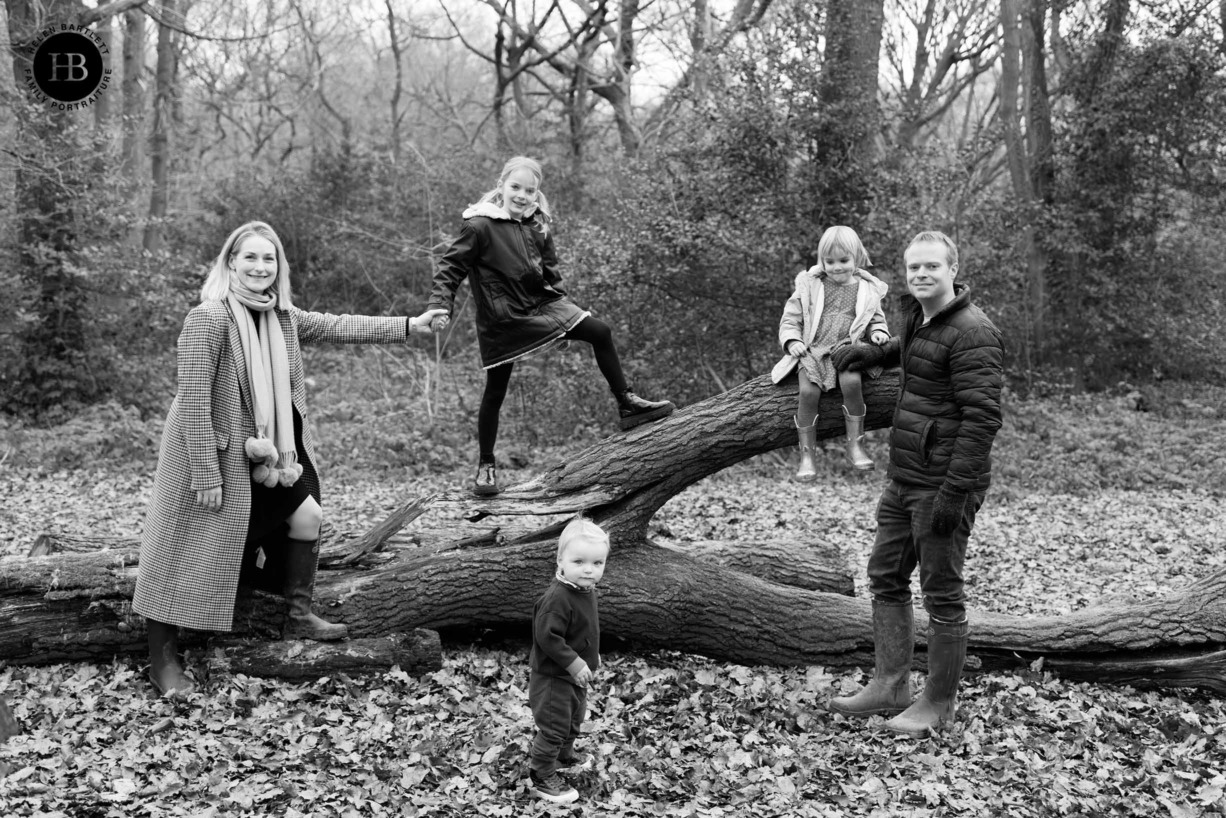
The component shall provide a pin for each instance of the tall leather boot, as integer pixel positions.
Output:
(633, 410)
(935, 706)
(856, 455)
(807, 441)
(889, 691)
(165, 672)
(301, 557)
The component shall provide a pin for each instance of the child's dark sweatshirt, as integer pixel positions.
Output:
(566, 626)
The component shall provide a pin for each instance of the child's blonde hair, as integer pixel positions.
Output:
(841, 237)
(580, 528)
(937, 237)
(217, 284)
(532, 166)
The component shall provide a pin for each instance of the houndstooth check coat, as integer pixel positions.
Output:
(190, 558)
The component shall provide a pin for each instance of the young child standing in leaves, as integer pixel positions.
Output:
(835, 302)
(565, 655)
(505, 250)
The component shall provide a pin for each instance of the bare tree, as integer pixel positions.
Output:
(398, 87)
(592, 49)
(1028, 150)
(9, 99)
(935, 53)
(709, 38)
(133, 88)
(159, 141)
(102, 108)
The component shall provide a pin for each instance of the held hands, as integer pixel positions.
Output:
(857, 357)
(880, 337)
(434, 320)
(947, 509)
(209, 499)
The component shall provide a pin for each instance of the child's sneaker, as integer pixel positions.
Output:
(576, 759)
(552, 788)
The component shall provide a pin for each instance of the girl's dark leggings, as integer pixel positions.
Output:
(591, 330)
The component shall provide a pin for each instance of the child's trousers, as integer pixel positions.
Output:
(557, 708)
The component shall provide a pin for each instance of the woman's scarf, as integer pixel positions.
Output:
(268, 373)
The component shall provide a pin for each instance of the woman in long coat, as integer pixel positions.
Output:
(237, 461)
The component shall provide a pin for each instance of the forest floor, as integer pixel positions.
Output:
(1092, 499)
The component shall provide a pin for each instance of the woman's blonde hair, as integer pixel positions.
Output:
(532, 166)
(580, 528)
(841, 237)
(217, 283)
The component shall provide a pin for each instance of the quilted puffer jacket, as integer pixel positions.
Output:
(948, 408)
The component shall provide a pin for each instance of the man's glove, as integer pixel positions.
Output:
(856, 357)
(947, 509)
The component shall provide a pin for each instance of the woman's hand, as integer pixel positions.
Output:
(879, 337)
(434, 320)
(796, 349)
(209, 499)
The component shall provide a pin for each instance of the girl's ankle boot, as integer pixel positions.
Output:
(633, 410)
(485, 484)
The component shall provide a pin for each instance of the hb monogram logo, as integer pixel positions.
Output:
(66, 70)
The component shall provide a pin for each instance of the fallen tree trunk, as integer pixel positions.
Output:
(74, 606)
(415, 652)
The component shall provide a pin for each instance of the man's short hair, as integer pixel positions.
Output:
(937, 237)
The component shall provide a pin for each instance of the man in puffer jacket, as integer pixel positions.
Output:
(947, 416)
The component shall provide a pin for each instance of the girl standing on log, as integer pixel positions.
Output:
(505, 249)
(237, 460)
(835, 302)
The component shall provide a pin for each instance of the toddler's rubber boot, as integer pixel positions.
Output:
(856, 456)
(806, 471)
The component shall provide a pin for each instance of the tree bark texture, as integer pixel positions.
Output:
(418, 651)
(159, 139)
(133, 150)
(848, 88)
(75, 605)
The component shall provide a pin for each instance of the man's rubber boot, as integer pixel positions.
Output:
(889, 691)
(935, 706)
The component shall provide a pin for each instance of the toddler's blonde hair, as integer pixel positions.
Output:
(580, 528)
(841, 237)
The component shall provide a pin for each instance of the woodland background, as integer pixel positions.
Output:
(694, 151)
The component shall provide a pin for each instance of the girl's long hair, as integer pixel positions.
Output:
(532, 166)
(217, 283)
